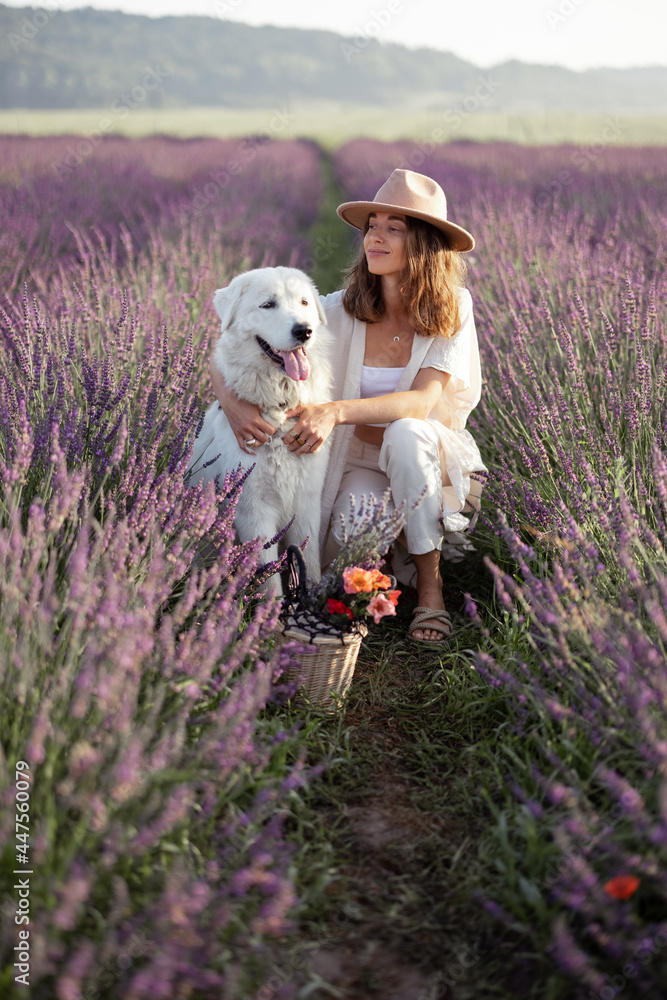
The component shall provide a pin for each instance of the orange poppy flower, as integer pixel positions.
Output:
(357, 580)
(379, 580)
(622, 886)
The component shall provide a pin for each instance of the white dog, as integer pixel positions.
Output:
(273, 351)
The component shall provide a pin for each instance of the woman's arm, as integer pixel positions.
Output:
(244, 418)
(316, 422)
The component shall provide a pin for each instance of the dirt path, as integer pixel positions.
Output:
(398, 921)
(401, 925)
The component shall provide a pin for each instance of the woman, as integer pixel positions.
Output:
(407, 373)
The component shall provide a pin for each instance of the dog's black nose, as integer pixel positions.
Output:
(302, 332)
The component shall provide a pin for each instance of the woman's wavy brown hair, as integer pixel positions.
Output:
(429, 285)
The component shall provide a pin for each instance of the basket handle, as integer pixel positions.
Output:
(296, 579)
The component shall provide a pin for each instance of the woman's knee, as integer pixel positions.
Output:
(404, 430)
(409, 441)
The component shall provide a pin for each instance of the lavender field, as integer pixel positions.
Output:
(156, 781)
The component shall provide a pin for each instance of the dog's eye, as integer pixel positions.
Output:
(304, 302)
(269, 304)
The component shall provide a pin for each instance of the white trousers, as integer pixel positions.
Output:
(407, 462)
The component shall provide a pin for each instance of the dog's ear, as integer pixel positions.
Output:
(226, 300)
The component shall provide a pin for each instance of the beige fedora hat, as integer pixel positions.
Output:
(408, 193)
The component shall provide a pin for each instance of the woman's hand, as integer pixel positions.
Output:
(244, 418)
(313, 426)
(248, 425)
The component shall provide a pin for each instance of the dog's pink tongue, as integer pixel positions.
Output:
(296, 364)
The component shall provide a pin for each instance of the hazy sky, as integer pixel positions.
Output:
(577, 33)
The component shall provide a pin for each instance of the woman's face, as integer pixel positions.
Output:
(384, 243)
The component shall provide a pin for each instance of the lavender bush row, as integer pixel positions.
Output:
(570, 292)
(486, 182)
(134, 669)
(131, 683)
(583, 674)
(256, 196)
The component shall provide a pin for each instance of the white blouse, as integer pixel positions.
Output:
(378, 382)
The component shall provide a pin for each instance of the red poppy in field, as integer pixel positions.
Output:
(338, 608)
(621, 887)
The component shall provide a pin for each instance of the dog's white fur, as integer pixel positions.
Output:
(282, 485)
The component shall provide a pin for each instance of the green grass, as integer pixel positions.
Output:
(394, 838)
(332, 124)
(332, 242)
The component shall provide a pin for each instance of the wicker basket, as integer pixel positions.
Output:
(329, 651)
(327, 663)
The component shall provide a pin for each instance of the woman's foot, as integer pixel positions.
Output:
(429, 594)
(430, 626)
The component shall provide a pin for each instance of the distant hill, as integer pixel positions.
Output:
(95, 59)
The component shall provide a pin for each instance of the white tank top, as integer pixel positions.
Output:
(378, 382)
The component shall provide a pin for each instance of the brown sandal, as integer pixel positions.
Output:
(438, 621)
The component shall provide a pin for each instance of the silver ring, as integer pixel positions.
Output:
(294, 434)
(251, 442)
